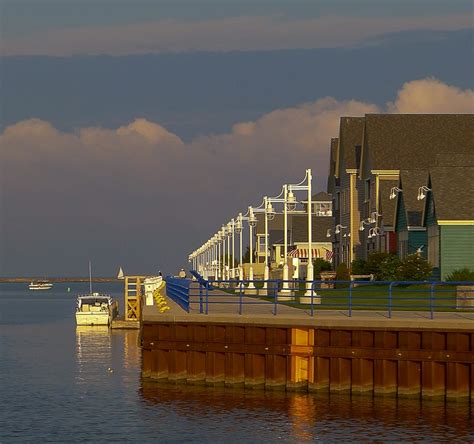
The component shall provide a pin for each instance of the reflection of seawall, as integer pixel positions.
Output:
(311, 415)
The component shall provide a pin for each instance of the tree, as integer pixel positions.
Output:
(321, 265)
(384, 266)
(342, 274)
(358, 266)
(389, 268)
(414, 268)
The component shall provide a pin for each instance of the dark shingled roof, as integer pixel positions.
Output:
(404, 141)
(453, 192)
(322, 196)
(455, 159)
(387, 205)
(320, 226)
(350, 135)
(410, 181)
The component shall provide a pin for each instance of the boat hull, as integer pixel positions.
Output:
(93, 318)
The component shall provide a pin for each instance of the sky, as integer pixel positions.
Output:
(131, 131)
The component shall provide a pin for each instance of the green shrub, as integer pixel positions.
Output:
(389, 269)
(358, 266)
(384, 266)
(321, 265)
(342, 274)
(461, 275)
(414, 268)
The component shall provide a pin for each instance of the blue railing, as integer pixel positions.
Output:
(347, 296)
(177, 289)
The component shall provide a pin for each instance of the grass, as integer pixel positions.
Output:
(376, 297)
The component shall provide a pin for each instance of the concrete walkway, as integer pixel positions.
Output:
(224, 308)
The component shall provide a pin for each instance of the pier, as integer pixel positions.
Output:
(225, 338)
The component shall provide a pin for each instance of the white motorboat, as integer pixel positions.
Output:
(95, 309)
(40, 285)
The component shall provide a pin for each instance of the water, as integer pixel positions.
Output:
(55, 387)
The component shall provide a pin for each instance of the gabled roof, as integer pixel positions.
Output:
(322, 196)
(402, 141)
(332, 165)
(350, 135)
(410, 182)
(319, 225)
(453, 192)
(386, 205)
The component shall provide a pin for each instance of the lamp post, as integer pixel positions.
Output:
(232, 226)
(238, 230)
(223, 237)
(310, 269)
(289, 203)
(252, 221)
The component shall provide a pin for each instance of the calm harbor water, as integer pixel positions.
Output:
(55, 387)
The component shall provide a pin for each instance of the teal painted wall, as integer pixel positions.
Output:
(457, 248)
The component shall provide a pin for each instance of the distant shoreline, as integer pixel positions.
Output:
(57, 279)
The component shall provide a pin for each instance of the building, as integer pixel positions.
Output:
(449, 217)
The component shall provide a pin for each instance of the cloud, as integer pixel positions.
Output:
(254, 33)
(146, 195)
(432, 96)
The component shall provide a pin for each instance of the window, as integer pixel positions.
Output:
(323, 208)
(403, 244)
(338, 200)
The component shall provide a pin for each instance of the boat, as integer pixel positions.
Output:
(95, 308)
(40, 285)
(120, 274)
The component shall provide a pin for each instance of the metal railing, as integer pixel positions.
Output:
(347, 296)
(177, 289)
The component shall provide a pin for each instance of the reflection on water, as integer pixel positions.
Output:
(306, 417)
(55, 387)
(94, 352)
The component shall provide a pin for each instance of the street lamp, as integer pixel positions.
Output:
(338, 227)
(238, 230)
(422, 192)
(310, 270)
(289, 204)
(394, 191)
(252, 221)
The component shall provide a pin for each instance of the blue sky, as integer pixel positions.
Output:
(130, 131)
(21, 17)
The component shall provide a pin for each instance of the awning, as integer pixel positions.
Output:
(302, 253)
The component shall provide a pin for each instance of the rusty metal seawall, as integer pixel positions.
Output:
(431, 362)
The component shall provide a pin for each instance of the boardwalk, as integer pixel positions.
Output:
(224, 307)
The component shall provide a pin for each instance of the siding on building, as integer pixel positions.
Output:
(457, 248)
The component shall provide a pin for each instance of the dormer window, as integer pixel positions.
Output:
(322, 208)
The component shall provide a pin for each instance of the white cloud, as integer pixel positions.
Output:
(140, 180)
(432, 96)
(225, 34)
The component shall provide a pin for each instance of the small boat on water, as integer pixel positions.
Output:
(120, 274)
(95, 309)
(40, 285)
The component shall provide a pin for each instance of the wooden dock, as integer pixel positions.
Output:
(408, 355)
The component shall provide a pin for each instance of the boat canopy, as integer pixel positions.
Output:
(92, 299)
